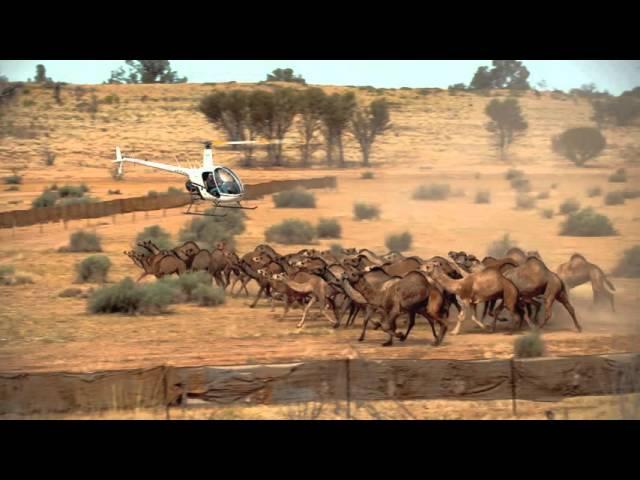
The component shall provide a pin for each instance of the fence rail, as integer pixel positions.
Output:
(348, 380)
(35, 216)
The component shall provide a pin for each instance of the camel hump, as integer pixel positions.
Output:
(577, 259)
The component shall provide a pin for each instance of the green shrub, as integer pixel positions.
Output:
(619, 176)
(614, 198)
(594, 191)
(432, 192)
(185, 285)
(498, 248)
(525, 202)
(587, 223)
(336, 249)
(157, 235)
(547, 213)
(93, 269)
(6, 274)
(542, 195)
(208, 296)
(210, 230)
(82, 241)
(365, 211)
(13, 180)
(72, 191)
(569, 206)
(297, 198)
(483, 196)
(291, 231)
(400, 242)
(579, 144)
(328, 228)
(629, 265)
(367, 175)
(630, 194)
(46, 199)
(530, 345)
(75, 201)
(513, 173)
(521, 185)
(129, 297)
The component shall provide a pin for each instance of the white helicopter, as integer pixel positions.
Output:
(210, 182)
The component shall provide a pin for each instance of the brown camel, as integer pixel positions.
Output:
(516, 254)
(578, 271)
(158, 265)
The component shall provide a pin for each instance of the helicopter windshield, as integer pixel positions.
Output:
(227, 182)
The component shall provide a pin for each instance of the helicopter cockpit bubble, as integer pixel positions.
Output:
(227, 182)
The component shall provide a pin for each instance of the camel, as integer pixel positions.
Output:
(233, 267)
(399, 268)
(578, 271)
(252, 261)
(476, 288)
(158, 265)
(392, 256)
(533, 278)
(516, 254)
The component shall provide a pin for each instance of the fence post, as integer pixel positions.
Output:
(13, 227)
(514, 408)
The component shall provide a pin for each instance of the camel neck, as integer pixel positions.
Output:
(449, 284)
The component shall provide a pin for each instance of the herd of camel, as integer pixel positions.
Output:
(388, 286)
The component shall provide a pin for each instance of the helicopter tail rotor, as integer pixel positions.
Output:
(119, 161)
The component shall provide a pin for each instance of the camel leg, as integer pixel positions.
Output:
(412, 321)
(389, 328)
(257, 297)
(304, 314)
(287, 305)
(473, 317)
(368, 314)
(142, 276)
(563, 298)
(461, 316)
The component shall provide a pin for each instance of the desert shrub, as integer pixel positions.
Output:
(12, 188)
(82, 241)
(579, 144)
(542, 195)
(365, 211)
(530, 345)
(75, 200)
(499, 247)
(554, 186)
(72, 190)
(174, 190)
(13, 180)
(157, 235)
(185, 285)
(49, 158)
(547, 213)
(521, 184)
(93, 269)
(70, 292)
(399, 242)
(152, 193)
(114, 192)
(297, 198)
(336, 249)
(569, 206)
(328, 228)
(525, 202)
(22, 279)
(111, 99)
(513, 173)
(630, 194)
(587, 223)
(208, 296)
(6, 274)
(629, 264)
(129, 297)
(210, 230)
(367, 175)
(291, 231)
(432, 192)
(614, 198)
(483, 196)
(618, 176)
(594, 191)
(46, 199)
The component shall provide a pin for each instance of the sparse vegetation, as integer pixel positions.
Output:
(114, 192)
(525, 202)
(146, 71)
(208, 231)
(93, 269)
(186, 284)
(208, 296)
(619, 176)
(12, 188)
(13, 179)
(505, 121)
(336, 249)
(629, 264)
(297, 198)
(365, 211)
(530, 345)
(579, 144)
(46, 199)
(291, 231)
(521, 184)
(483, 196)
(499, 248)
(513, 173)
(70, 292)
(434, 191)
(543, 195)
(8, 277)
(49, 158)
(131, 298)
(630, 194)
(368, 175)
(569, 206)
(82, 241)
(399, 242)
(614, 198)
(587, 223)
(594, 192)
(329, 228)
(157, 235)
(547, 213)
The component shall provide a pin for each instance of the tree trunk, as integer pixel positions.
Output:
(340, 151)
(365, 154)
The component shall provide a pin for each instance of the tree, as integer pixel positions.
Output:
(146, 71)
(579, 144)
(509, 74)
(620, 111)
(336, 115)
(367, 123)
(41, 74)
(284, 75)
(4, 79)
(310, 106)
(506, 121)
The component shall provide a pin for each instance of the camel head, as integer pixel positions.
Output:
(221, 245)
(534, 253)
(279, 276)
(349, 251)
(263, 273)
(261, 260)
(351, 276)
(429, 267)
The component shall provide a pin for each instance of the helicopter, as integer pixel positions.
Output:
(209, 182)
